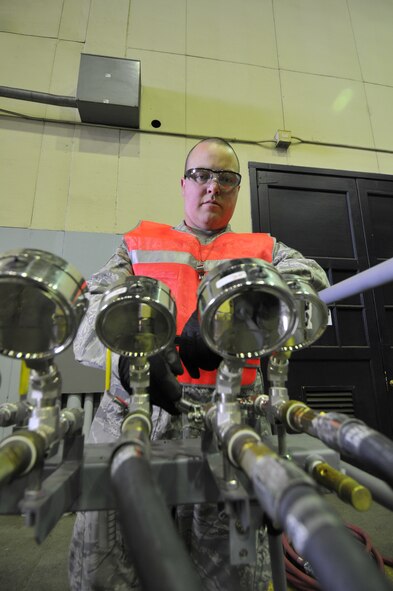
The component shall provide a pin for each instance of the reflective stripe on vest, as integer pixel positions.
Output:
(175, 258)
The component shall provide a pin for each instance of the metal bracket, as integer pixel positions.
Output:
(44, 505)
(244, 519)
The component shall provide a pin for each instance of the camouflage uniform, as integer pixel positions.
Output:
(98, 560)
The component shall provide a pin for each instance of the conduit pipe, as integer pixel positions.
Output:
(38, 97)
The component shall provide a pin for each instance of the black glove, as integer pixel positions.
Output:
(164, 388)
(193, 350)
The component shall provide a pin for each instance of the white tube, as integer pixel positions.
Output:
(373, 277)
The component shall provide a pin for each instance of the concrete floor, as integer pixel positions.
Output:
(26, 566)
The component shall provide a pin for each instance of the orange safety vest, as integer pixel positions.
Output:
(179, 260)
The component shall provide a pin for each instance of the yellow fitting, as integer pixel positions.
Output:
(108, 370)
(347, 489)
(24, 380)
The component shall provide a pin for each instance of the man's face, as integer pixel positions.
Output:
(207, 206)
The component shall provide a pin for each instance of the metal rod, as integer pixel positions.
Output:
(277, 559)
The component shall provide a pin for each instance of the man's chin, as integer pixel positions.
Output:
(214, 223)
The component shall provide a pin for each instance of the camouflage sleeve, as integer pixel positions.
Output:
(288, 260)
(87, 347)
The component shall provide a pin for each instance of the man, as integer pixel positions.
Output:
(179, 257)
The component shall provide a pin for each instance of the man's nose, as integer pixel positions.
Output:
(213, 187)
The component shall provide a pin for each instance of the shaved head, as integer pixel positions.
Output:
(219, 142)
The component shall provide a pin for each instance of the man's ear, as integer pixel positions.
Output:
(182, 183)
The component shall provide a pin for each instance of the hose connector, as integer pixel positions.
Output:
(19, 454)
(347, 489)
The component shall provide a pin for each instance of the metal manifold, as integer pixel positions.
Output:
(246, 310)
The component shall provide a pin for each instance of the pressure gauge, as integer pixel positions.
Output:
(42, 301)
(246, 309)
(137, 318)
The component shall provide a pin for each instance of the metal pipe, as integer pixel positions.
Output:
(71, 422)
(14, 413)
(88, 407)
(74, 401)
(373, 277)
(276, 558)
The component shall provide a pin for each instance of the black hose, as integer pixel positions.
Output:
(348, 569)
(322, 539)
(38, 97)
(371, 449)
(156, 549)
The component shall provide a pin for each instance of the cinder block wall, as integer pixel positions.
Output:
(232, 68)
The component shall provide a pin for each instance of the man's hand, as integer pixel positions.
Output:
(164, 388)
(193, 350)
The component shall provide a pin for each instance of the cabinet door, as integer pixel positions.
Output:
(320, 216)
(376, 198)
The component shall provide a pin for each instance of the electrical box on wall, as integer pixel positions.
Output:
(109, 90)
(283, 138)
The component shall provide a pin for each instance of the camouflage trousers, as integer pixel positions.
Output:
(98, 560)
